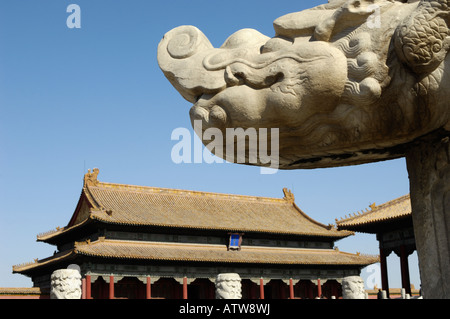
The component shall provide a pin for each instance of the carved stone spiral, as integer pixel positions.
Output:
(185, 41)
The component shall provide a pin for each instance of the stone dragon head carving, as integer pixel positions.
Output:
(347, 82)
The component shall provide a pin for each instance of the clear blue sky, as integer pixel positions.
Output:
(73, 99)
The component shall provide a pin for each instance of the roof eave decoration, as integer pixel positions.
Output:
(90, 179)
(288, 195)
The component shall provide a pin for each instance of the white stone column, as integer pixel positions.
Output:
(228, 286)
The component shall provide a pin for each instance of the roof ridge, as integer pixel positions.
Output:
(187, 192)
(91, 180)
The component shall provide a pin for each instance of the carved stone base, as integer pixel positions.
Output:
(428, 164)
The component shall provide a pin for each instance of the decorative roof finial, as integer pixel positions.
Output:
(288, 195)
(90, 179)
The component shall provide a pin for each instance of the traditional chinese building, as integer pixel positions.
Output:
(148, 242)
(392, 224)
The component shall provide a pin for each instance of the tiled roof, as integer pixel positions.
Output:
(392, 210)
(152, 206)
(141, 250)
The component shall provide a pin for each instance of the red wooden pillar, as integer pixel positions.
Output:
(111, 287)
(83, 288)
(384, 272)
(88, 287)
(261, 288)
(405, 270)
(149, 288)
(291, 289)
(319, 289)
(185, 289)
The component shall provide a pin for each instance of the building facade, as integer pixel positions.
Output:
(147, 242)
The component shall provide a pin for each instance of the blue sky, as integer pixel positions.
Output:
(73, 99)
